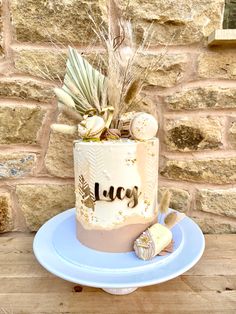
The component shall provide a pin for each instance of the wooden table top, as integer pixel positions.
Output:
(25, 287)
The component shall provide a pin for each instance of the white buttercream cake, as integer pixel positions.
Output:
(116, 191)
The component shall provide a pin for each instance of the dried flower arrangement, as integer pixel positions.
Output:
(102, 103)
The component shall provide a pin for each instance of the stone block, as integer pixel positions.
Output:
(232, 135)
(179, 198)
(20, 124)
(41, 202)
(16, 165)
(1, 31)
(219, 202)
(50, 64)
(6, 219)
(166, 71)
(220, 64)
(173, 22)
(215, 225)
(193, 134)
(27, 89)
(209, 170)
(202, 98)
(57, 21)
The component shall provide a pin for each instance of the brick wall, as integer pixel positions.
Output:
(193, 94)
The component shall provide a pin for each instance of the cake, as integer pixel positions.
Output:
(116, 151)
(116, 191)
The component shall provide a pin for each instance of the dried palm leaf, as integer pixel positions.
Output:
(83, 87)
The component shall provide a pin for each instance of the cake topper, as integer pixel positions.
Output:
(98, 100)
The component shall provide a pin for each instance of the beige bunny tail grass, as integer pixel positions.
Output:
(69, 112)
(170, 219)
(173, 218)
(165, 202)
(64, 128)
(133, 90)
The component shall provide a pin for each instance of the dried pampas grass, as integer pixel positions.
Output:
(85, 88)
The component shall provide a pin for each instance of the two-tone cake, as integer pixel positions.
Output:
(116, 154)
(116, 191)
(116, 151)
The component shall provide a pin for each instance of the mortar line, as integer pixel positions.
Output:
(7, 37)
(36, 180)
(192, 84)
(214, 216)
(13, 102)
(26, 78)
(218, 154)
(197, 185)
(217, 112)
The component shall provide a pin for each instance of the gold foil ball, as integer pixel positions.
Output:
(144, 126)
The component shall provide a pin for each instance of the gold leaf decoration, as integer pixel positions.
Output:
(86, 194)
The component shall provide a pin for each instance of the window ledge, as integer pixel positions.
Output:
(222, 37)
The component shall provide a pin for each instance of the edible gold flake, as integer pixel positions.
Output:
(143, 241)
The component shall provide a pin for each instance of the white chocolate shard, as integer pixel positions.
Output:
(152, 241)
(91, 127)
(125, 122)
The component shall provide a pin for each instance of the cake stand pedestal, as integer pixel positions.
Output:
(58, 250)
(119, 291)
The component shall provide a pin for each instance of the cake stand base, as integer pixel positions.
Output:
(58, 250)
(119, 291)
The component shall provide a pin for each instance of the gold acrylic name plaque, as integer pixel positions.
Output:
(88, 198)
(120, 193)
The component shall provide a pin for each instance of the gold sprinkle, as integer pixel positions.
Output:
(143, 241)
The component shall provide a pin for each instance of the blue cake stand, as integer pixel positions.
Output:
(58, 250)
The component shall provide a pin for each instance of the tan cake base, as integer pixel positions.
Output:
(118, 240)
